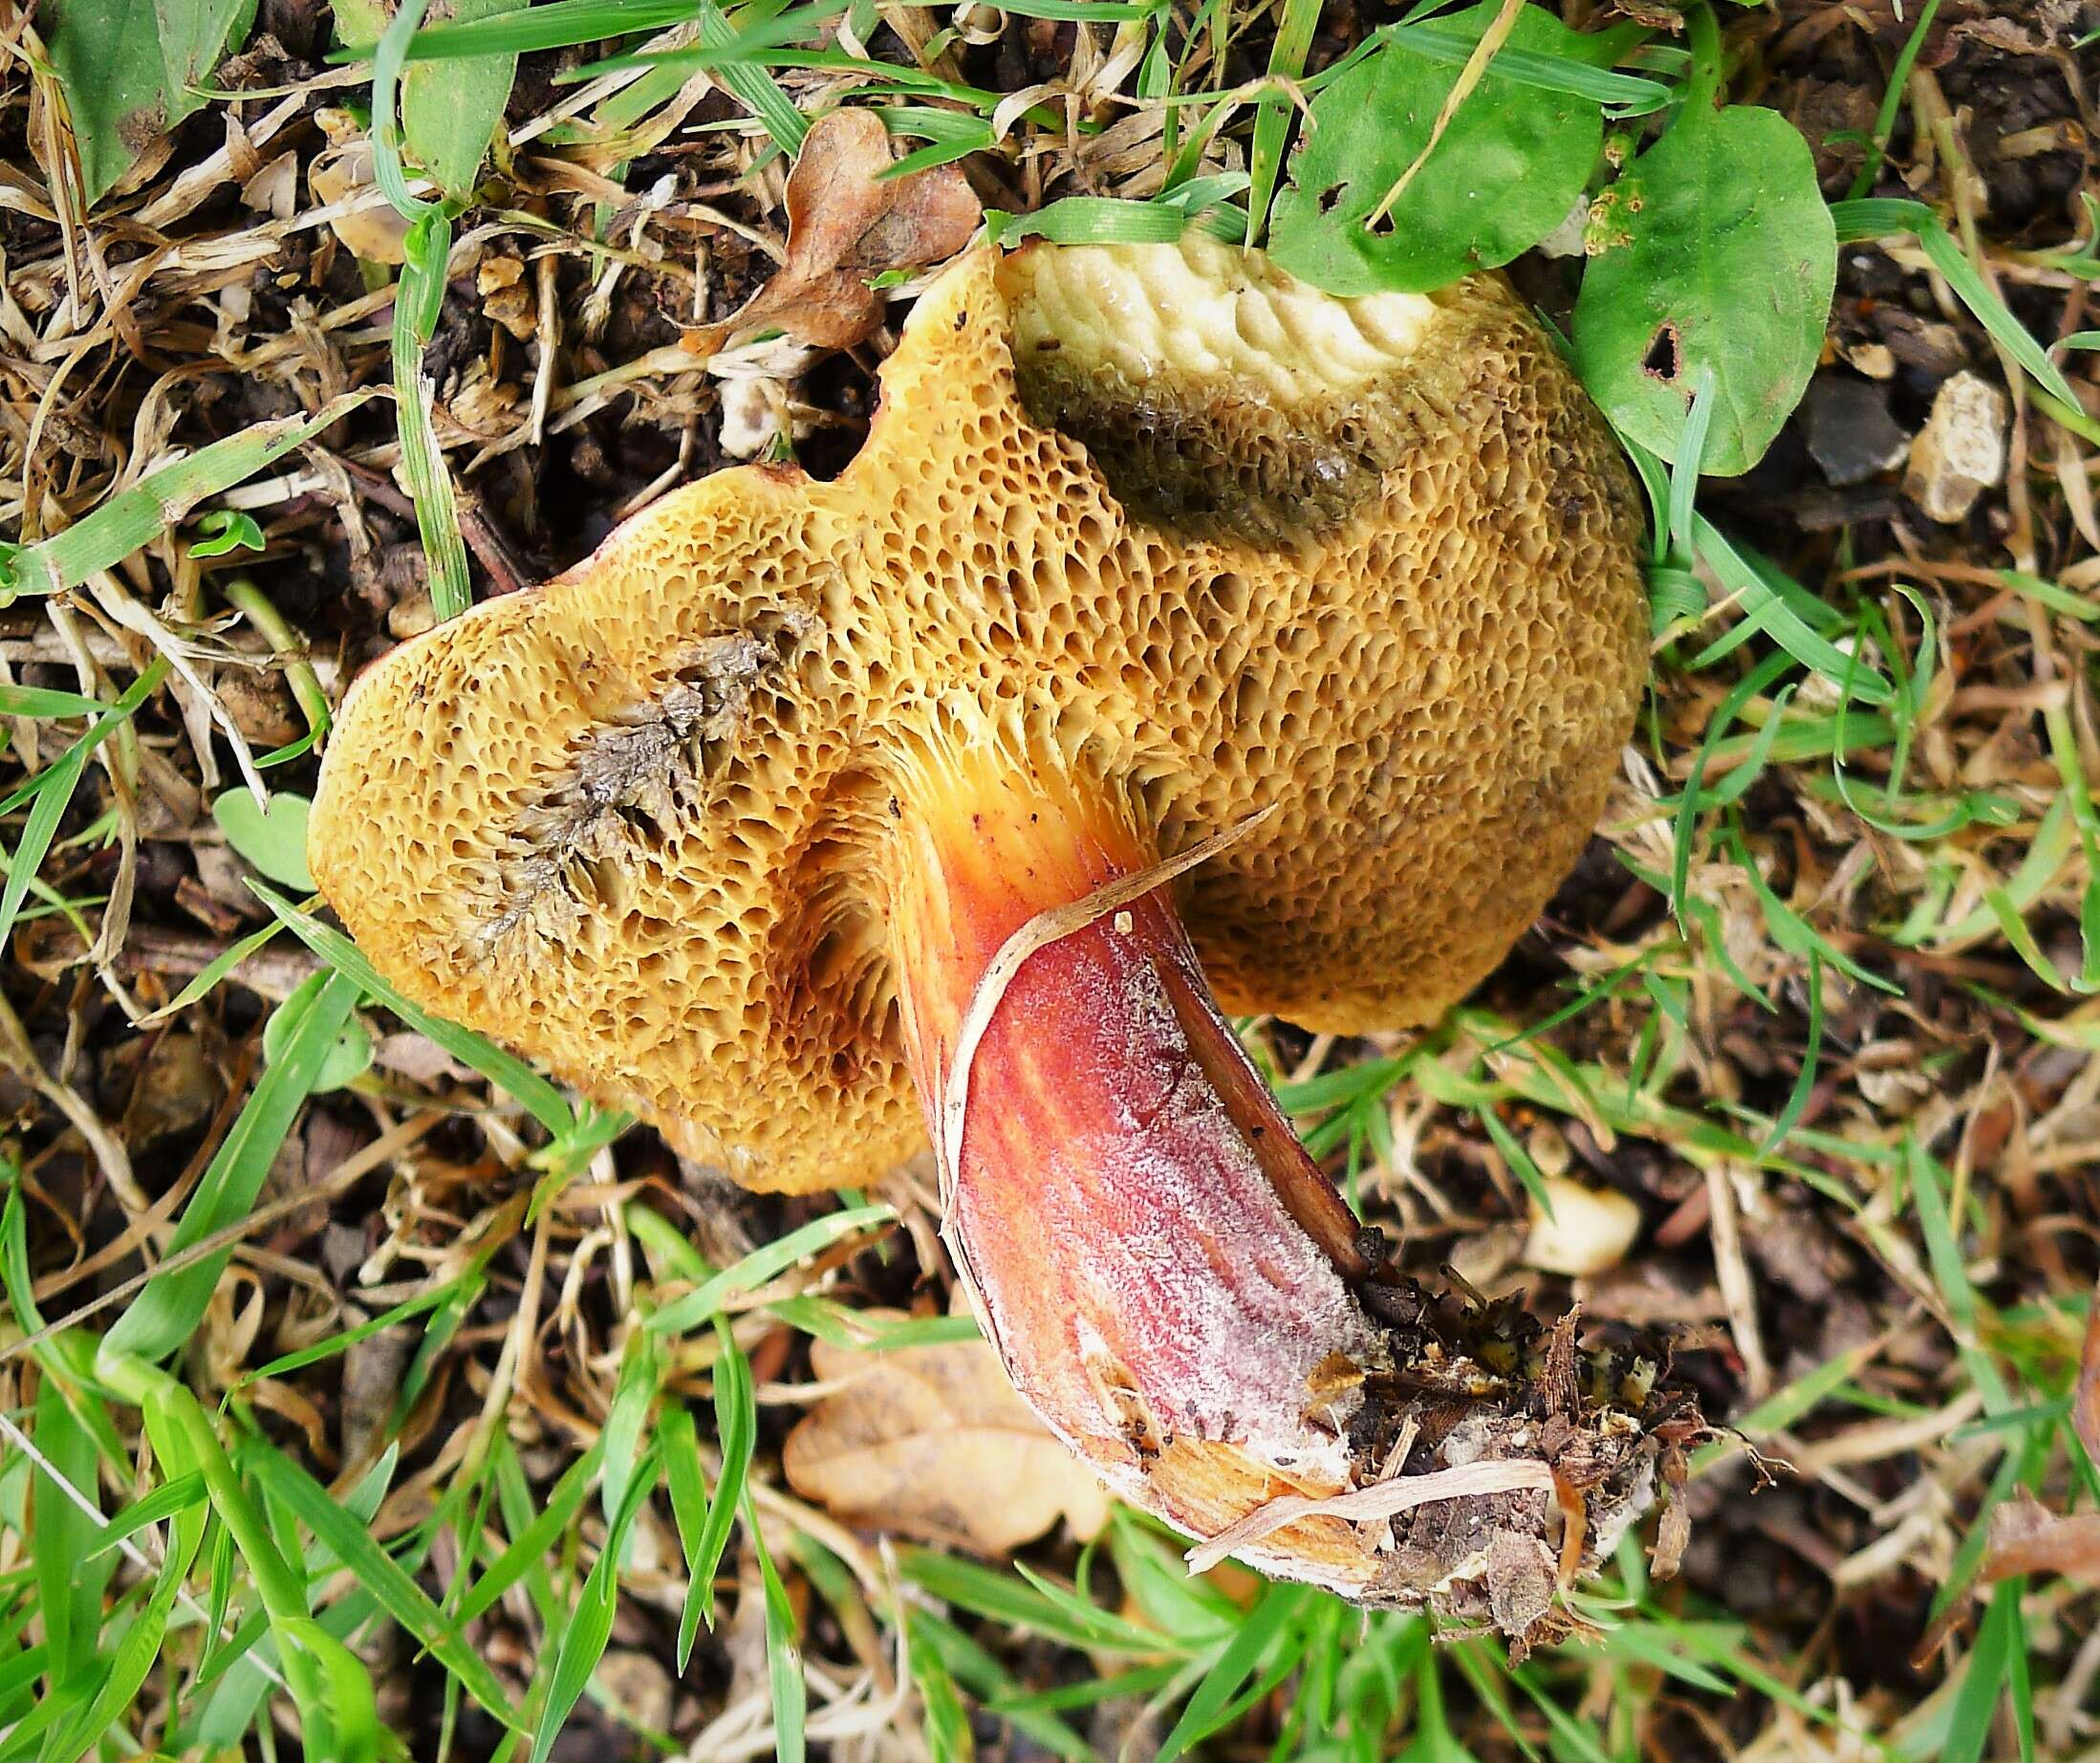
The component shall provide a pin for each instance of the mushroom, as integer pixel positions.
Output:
(1151, 550)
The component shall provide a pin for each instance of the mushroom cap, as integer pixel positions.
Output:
(1216, 541)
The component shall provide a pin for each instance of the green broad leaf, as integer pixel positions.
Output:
(195, 37)
(344, 1062)
(223, 531)
(1505, 173)
(274, 839)
(1719, 254)
(130, 68)
(450, 113)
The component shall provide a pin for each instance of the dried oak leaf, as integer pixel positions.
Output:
(847, 225)
(933, 1442)
(2027, 1537)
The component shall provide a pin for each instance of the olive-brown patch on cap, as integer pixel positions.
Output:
(1237, 404)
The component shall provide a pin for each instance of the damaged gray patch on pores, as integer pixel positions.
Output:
(631, 781)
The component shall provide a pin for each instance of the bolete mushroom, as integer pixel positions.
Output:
(1147, 546)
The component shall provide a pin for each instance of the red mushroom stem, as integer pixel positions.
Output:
(1158, 1261)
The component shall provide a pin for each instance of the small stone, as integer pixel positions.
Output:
(1876, 361)
(1960, 451)
(1931, 346)
(371, 230)
(1566, 239)
(1851, 433)
(1590, 1229)
(411, 615)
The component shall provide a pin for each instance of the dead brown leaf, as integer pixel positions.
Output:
(931, 1442)
(847, 225)
(2027, 1537)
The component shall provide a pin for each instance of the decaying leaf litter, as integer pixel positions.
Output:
(1873, 1251)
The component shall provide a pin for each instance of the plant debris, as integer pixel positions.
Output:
(847, 228)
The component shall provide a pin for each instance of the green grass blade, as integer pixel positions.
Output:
(352, 1706)
(752, 84)
(634, 1394)
(507, 1073)
(69, 1584)
(761, 1265)
(35, 701)
(581, 1643)
(679, 1441)
(53, 791)
(176, 1495)
(1976, 1701)
(320, 1350)
(528, 1547)
(565, 24)
(1891, 102)
(165, 1316)
(418, 300)
(1278, 1606)
(1018, 1603)
(736, 1427)
(1286, 58)
(136, 1654)
(783, 1655)
(1784, 1407)
(382, 1576)
(1629, 93)
(1811, 1055)
(1993, 314)
(946, 1723)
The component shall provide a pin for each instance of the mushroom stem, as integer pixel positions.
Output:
(1161, 1266)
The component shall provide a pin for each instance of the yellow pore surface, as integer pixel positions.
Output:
(1371, 561)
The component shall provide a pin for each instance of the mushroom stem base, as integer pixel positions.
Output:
(1163, 1270)
(1178, 1292)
